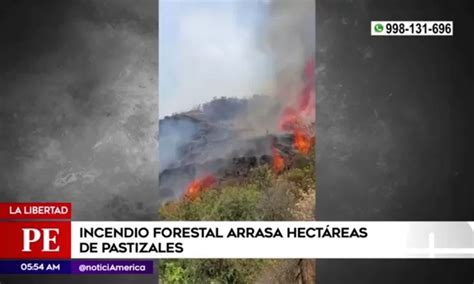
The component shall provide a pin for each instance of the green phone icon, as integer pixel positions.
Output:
(378, 28)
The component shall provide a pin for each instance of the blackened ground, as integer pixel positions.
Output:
(395, 131)
(257, 152)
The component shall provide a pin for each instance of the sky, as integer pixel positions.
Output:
(209, 49)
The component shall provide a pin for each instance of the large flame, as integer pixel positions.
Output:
(299, 117)
(278, 162)
(302, 141)
(197, 186)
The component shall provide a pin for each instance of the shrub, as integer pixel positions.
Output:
(261, 196)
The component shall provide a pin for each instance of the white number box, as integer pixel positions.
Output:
(411, 28)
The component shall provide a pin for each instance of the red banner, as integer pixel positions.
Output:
(35, 210)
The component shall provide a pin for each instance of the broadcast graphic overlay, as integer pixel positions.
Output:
(38, 238)
(176, 142)
(62, 246)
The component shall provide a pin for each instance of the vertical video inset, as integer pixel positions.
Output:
(237, 125)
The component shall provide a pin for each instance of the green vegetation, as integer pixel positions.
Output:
(263, 196)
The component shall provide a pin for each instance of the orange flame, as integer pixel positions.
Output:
(297, 116)
(197, 186)
(278, 163)
(302, 141)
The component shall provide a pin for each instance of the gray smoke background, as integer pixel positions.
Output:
(394, 130)
(233, 127)
(79, 106)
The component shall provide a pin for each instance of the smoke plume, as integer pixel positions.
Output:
(209, 138)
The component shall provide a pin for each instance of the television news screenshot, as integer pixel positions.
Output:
(236, 141)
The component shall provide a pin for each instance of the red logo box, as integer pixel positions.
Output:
(35, 240)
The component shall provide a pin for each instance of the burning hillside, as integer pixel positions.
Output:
(246, 159)
(246, 189)
(209, 139)
(199, 185)
(201, 148)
